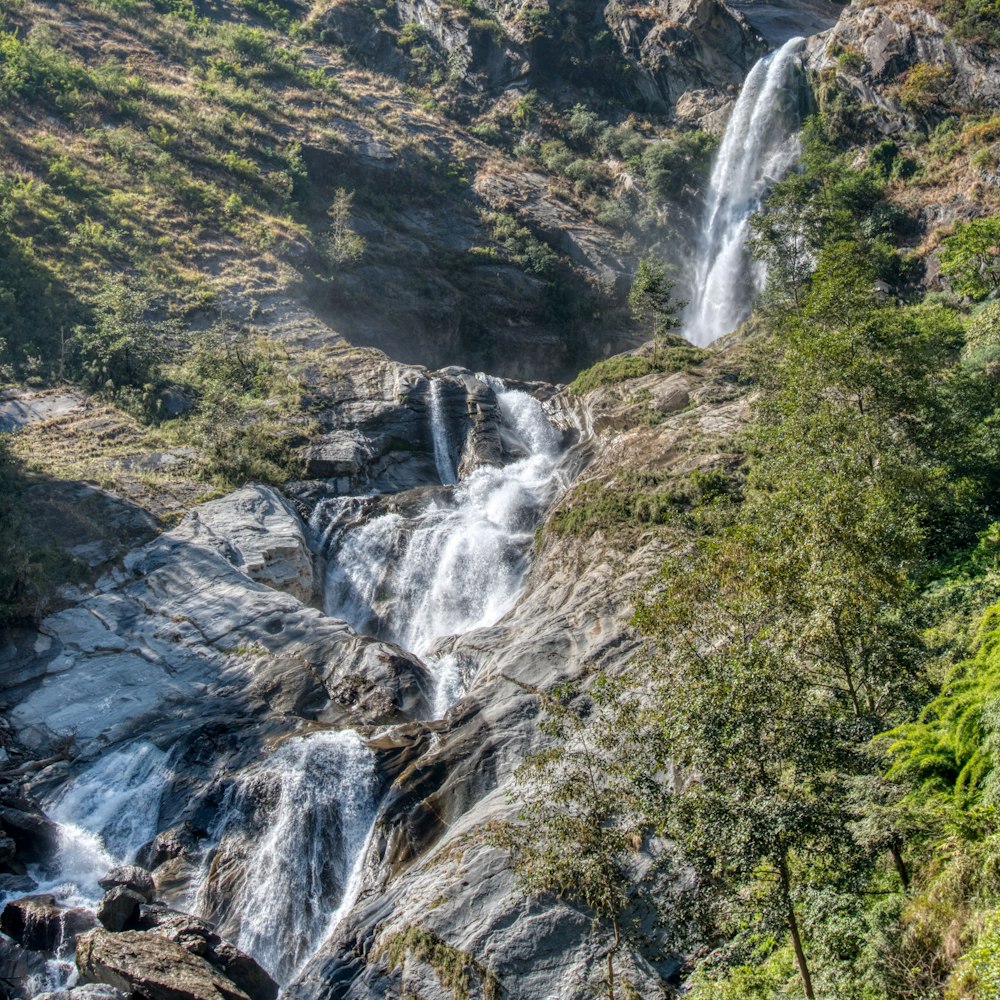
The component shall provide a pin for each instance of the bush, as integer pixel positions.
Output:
(671, 166)
(926, 87)
(971, 257)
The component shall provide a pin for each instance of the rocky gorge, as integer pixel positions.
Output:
(259, 747)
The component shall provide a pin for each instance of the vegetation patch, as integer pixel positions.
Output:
(456, 970)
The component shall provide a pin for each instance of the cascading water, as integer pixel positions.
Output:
(760, 145)
(459, 562)
(291, 838)
(103, 816)
(439, 436)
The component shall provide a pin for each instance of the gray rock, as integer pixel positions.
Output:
(118, 910)
(130, 877)
(151, 967)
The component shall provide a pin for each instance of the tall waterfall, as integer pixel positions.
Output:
(759, 146)
(439, 436)
(291, 838)
(458, 563)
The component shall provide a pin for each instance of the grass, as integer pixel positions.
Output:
(623, 367)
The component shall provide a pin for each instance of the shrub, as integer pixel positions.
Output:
(926, 87)
(971, 257)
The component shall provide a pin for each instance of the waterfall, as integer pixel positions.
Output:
(439, 435)
(104, 815)
(291, 836)
(458, 563)
(759, 146)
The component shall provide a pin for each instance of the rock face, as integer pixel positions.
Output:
(884, 43)
(150, 966)
(185, 632)
(259, 532)
(131, 877)
(668, 48)
(430, 867)
(119, 909)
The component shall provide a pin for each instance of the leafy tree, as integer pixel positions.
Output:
(971, 257)
(122, 349)
(652, 302)
(575, 836)
(345, 246)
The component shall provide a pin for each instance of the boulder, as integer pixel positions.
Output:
(7, 849)
(130, 877)
(17, 965)
(200, 938)
(260, 533)
(38, 924)
(35, 836)
(150, 966)
(119, 909)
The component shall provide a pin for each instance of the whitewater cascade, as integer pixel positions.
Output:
(103, 816)
(291, 838)
(458, 563)
(760, 146)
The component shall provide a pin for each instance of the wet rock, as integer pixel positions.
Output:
(11, 883)
(92, 991)
(152, 967)
(119, 909)
(34, 835)
(169, 844)
(17, 965)
(7, 849)
(199, 937)
(38, 924)
(131, 877)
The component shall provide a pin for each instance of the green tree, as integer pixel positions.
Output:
(122, 349)
(652, 303)
(575, 836)
(971, 257)
(344, 245)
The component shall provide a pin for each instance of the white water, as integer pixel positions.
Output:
(459, 563)
(439, 435)
(292, 833)
(104, 815)
(760, 146)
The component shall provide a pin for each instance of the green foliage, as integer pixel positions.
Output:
(455, 968)
(678, 164)
(970, 257)
(676, 355)
(950, 748)
(630, 502)
(344, 245)
(122, 351)
(973, 21)
(927, 86)
(652, 302)
(521, 247)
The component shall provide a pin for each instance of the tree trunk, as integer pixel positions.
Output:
(897, 860)
(611, 958)
(793, 929)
